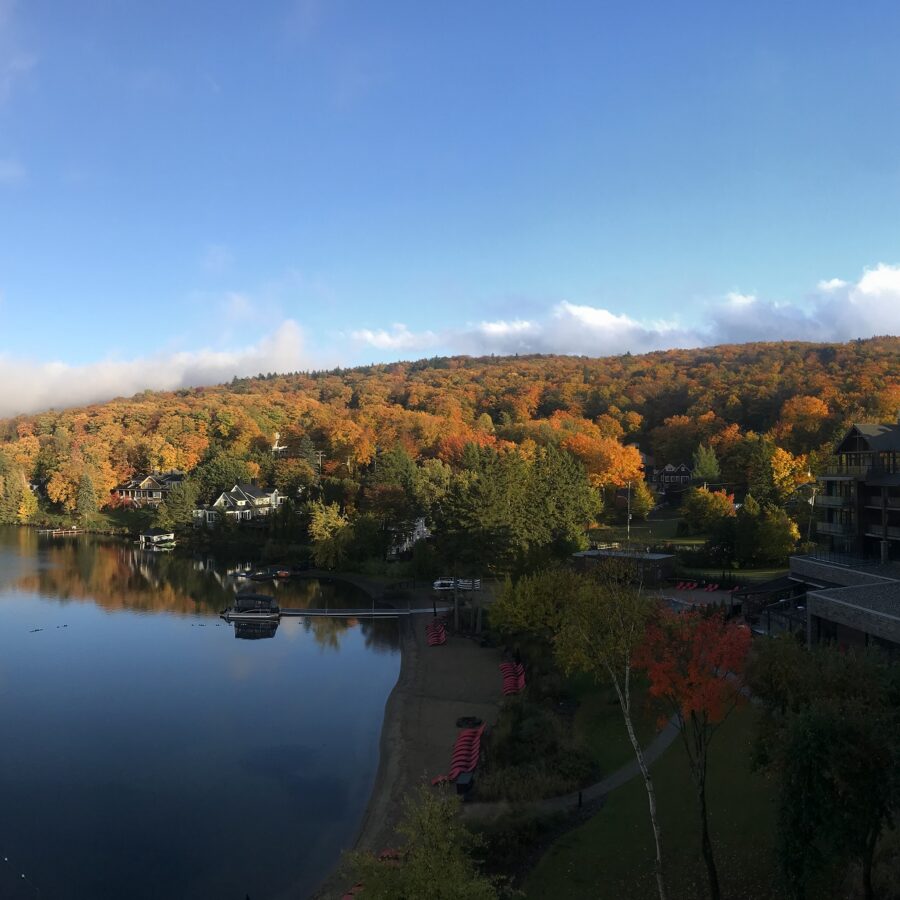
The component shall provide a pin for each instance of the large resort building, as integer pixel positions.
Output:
(859, 500)
(847, 590)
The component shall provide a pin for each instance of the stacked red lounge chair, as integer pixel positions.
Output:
(436, 633)
(513, 677)
(466, 753)
(711, 588)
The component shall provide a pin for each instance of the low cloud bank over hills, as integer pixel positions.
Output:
(835, 311)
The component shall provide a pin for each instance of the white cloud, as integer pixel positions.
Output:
(11, 172)
(27, 386)
(837, 311)
(398, 338)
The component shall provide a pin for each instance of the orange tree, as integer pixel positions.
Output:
(696, 662)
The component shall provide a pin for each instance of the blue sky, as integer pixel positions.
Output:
(190, 190)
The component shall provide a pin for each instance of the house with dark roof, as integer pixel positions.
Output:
(670, 476)
(149, 490)
(243, 503)
(858, 500)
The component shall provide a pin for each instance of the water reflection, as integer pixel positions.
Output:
(117, 575)
(139, 737)
(254, 631)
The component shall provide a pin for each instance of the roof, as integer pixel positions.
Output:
(878, 437)
(881, 599)
(252, 490)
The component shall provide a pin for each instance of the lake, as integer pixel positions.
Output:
(145, 752)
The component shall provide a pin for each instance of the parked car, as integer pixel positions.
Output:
(444, 584)
(469, 584)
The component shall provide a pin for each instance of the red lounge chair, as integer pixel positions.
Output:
(513, 678)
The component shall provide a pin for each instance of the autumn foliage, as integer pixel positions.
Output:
(695, 663)
(767, 410)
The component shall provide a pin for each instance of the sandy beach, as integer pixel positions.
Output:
(436, 686)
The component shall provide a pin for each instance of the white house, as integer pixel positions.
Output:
(243, 503)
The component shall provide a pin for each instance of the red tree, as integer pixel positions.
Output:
(695, 662)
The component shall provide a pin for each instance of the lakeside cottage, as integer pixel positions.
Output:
(243, 503)
(149, 490)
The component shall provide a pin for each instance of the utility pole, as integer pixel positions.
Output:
(812, 512)
(628, 519)
(320, 455)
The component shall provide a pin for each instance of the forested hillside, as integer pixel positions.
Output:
(767, 410)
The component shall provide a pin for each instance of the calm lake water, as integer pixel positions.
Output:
(145, 752)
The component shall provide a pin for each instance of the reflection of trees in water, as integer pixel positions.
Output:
(327, 632)
(116, 575)
(120, 576)
(310, 593)
(379, 635)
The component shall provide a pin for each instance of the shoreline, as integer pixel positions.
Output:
(435, 687)
(376, 822)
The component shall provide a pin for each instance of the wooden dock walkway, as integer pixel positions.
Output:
(370, 612)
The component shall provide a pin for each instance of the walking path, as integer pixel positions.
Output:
(567, 802)
(436, 686)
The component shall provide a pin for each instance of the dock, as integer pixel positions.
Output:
(367, 612)
(59, 532)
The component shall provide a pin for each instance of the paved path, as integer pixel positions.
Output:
(589, 795)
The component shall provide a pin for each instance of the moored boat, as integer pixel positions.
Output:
(253, 608)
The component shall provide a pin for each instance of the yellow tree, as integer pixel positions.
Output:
(608, 463)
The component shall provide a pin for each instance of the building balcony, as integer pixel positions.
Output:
(835, 528)
(890, 503)
(891, 532)
(832, 501)
(858, 466)
(837, 470)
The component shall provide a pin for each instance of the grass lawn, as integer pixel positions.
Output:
(599, 726)
(739, 575)
(654, 531)
(611, 856)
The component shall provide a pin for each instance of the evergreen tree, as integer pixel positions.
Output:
(86, 502)
(706, 464)
(181, 503)
(746, 532)
(760, 481)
